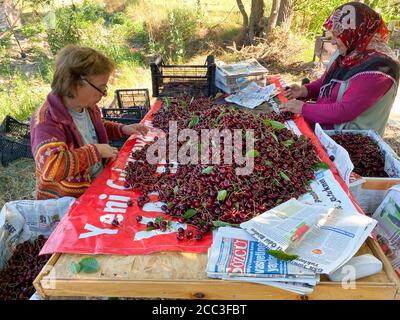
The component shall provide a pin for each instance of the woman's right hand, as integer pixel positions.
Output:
(295, 91)
(106, 151)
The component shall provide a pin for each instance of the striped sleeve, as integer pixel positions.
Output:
(56, 162)
(114, 130)
(54, 159)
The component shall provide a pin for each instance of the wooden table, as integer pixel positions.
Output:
(181, 275)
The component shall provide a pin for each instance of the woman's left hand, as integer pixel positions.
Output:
(135, 128)
(295, 106)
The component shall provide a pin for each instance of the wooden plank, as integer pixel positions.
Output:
(387, 266)
(167, 275)
(212, 289)
(46, 270)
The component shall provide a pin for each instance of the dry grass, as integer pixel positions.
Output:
(17, 181)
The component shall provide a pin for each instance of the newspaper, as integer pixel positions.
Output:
(235, 255)
(234, 251)
(388, 228)
(253, 95)
(241, 68)
(239, 80)
(341, 160)
(327, 245)
(326, 191)
(22, 220)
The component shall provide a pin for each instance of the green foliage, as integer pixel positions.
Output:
(171, 38)
(31, 30)
(66, 29)
(311, 14)
(20, 95)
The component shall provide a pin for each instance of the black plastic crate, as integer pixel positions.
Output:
(176, 80)
(14, 141)
(129, 98)
(124, 115)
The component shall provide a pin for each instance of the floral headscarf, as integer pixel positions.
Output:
(356, 24)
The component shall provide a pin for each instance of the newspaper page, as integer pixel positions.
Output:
(235, 252)
(341, 160)
(252, 95)
(388, 228)
(295, 287)
(328, 244)
(242, 68)
(326, 191)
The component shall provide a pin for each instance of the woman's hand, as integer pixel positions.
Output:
(295, 91)
(295, 106)
(135, 128)
(107, 151)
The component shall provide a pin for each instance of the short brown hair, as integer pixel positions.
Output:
(74, 62)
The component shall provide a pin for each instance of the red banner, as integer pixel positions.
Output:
(87, 227)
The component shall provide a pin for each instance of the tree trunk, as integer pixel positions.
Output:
(245, 18)
(273, 17)
(252, 26)
(285, 14)
(257, 13)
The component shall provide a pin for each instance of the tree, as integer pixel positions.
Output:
(273, 17)
(252, 27)
(285, 14)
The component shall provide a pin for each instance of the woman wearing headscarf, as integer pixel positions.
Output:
(360, 84)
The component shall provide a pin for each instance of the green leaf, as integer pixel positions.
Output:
(202, 223)
(303, 138)
(284, 176)
(220, 116)
(194, 121)
(158, 219)
(218, 95)
(282, 255)
(269, 163)
(175, 190)
(149, 229)
(322, 165)
(274, 136)
(218, 224)
(252, 153)
(170, 205)
(75, 267)
(89, 265)
(277, 183)
(222, 195)
(236, 205)
(167, 103)
(207, 170)
(276, 125)
(189, 213)
(288, 143)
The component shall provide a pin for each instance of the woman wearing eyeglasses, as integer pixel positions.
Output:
(68, 137)
(359, 87)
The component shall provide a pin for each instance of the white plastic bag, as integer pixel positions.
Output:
(23, 220)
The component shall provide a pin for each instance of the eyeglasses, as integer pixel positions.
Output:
(103, 92)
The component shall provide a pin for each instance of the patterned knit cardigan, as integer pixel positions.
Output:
(62, 160)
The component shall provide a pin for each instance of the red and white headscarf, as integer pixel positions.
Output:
(362, 31)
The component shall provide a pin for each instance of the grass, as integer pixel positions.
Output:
(17, 181)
